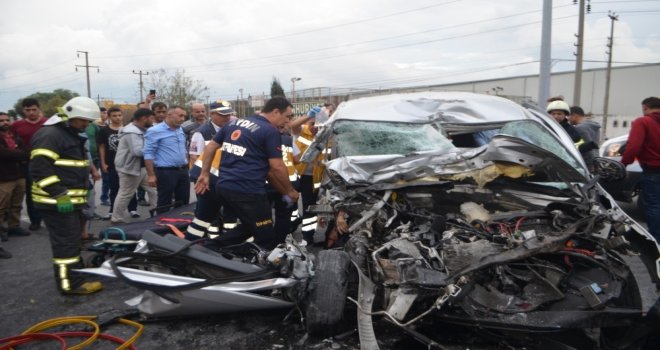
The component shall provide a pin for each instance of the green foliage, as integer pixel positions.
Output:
(49, 101)
(177, 88)
(276, 88)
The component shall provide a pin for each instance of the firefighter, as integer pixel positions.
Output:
(206, 221)
(60, 169)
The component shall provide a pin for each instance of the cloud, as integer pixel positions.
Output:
(232, 45)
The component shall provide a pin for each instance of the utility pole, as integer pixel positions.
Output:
(546, 66)
(577, 88)
(141, 73)
(613, 17)
(87, 67)
(293, 88)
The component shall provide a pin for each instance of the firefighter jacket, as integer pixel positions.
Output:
(59, 165)
(303, 141)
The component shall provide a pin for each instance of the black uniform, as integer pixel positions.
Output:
(59, 166)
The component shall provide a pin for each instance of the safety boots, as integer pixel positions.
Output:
(71, 282)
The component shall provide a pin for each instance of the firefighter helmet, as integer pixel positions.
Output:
(83, 108)
(558, 106)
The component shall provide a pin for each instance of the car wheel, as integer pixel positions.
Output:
(327, 293)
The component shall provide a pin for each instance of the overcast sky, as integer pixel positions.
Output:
(232, 45)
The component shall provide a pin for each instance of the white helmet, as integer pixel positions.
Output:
(558, 106)
(83, 108)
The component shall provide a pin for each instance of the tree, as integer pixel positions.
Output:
(176, 89)
(49, 101)
(276, 88)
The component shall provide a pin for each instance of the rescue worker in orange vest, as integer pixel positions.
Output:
(304, 129)
(60, 169)
(207, 219)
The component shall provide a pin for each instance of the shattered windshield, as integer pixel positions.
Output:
(534, 133)
(354, 138)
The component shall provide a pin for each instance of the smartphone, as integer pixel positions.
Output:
(152, 92)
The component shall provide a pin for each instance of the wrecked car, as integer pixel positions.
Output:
(474, 214)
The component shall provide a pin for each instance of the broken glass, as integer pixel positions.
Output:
(354, 138)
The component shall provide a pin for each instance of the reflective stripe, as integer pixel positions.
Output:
(294, 213)
(76, 192)
(47, 200)
(202, 223)
(309, 220)
(229, 225)
(310, 227)
(304, 141)
(72, 192)
(213, 229)
(198, 163)
(48, 181)
(72, 163)
(44, 152)
(327, 150)
(293, 177)
(317, 185)
(195, 232)
(213, 236)
(215, 171)
(66, 261)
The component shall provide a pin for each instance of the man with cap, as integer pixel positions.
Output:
(205, 223)
(221, 113)
(60, 168)
(129, 163)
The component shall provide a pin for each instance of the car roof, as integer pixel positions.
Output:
(421, 107)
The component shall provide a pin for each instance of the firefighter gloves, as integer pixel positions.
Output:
(64, 204)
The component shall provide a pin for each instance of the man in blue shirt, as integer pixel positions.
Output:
(251, 152)
(166, 161)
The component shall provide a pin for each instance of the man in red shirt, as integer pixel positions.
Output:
(32, 121)
(644, 144)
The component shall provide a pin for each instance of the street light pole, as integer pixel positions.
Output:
(293, 88)
(240, 104)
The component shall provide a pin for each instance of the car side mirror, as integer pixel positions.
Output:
(609, 169)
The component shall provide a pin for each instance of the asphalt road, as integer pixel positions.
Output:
(29, 296)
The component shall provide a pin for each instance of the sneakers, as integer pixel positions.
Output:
(106, 217)
(34, 226)
(134, 214)
(143, 203)
(18, 231)
(106, 203)
(4, 254)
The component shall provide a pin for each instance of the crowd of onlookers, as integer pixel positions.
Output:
(115, 150)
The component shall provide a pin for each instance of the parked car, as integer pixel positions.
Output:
(625, 190)
(507, 242)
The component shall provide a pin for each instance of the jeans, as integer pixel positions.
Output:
(650, 186)
(113, 181)
(172, 183)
